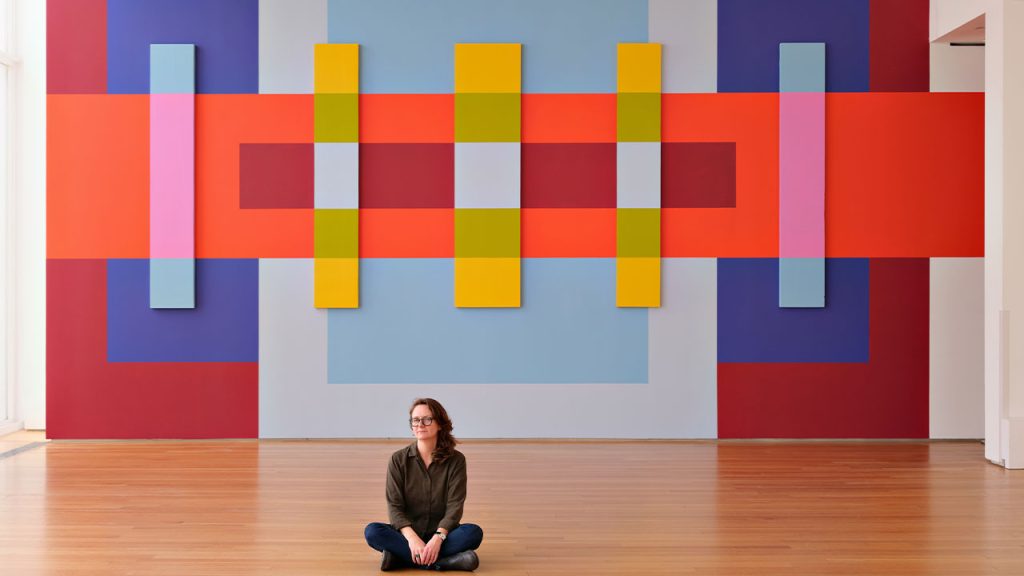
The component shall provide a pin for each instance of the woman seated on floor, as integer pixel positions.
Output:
(426, 490)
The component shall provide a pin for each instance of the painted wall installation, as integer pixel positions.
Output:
(582, 218)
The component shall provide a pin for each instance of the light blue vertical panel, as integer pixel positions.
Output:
(801, 282)
(172, 283)
(172, 69)
(688, 33)
(802, 67)
(567, 331)
(569, 46)
(288, 31)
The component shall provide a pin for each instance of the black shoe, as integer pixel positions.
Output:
(467, 561)
(388, 561)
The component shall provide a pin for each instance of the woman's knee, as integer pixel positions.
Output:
(373, 532)
(474, 533)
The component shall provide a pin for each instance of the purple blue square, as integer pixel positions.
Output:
(753, 328)
(223, 326)
(750, 31)
(225, 32)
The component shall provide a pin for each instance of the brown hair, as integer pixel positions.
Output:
(445, 441)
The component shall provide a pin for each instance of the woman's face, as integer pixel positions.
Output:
(420, 416)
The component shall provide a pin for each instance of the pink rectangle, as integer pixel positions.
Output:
(801, 175)
(172, 176)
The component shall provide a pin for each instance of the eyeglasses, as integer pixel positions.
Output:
(414, 422)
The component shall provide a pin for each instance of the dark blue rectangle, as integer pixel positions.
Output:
(752, 327)
(225, 32)
(223, 327)
(749, 33)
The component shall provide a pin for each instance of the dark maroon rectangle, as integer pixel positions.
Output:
(698, 175)
(276, 175)
(76, 46)
(568, 175)
(885, 398)
(406, 176)
(899, 59)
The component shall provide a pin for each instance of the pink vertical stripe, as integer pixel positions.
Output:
(802, 175)
(172, 176)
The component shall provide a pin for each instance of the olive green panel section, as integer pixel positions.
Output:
(638, 232)
(336, 117)
(488, 117)
(336, 233)
(639, 117)
(487, 233)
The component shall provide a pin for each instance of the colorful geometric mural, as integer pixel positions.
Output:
(583, 201)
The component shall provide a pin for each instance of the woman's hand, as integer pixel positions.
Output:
(431, 550)
(417, 549)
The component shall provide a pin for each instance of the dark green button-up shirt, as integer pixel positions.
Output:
(425, 498)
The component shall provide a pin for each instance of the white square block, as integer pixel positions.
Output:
(336, 175)
(638, 174)
(487, 175)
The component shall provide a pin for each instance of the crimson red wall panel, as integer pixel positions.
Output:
(76, 46)
(568, 175)
(406, 176)
(899, 59)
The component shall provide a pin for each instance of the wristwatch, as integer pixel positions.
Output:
(442, 535)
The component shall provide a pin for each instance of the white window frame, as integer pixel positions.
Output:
(8, 416)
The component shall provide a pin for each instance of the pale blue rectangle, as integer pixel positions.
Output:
(408, 46)
(336, 175)
(408, 330)
(172, 68)
(172, 283)
(802, 67)
(801, 282)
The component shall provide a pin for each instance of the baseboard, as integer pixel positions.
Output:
(1013, 443)
(11, 426)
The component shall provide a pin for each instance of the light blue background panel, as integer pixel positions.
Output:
(172, 283)
(567, 331)
(801, 282)
(802, 67)
(172, 68)
(408, 46)
(679, 400)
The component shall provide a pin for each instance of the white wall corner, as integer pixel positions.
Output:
(945, 16)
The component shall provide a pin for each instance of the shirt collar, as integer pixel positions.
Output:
(411, 451)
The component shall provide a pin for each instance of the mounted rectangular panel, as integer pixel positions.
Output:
(336, 175)
(488, 182)
(802, 175)
(638, 176)
(172, 175)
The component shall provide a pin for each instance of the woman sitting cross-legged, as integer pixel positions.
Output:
(426, 490)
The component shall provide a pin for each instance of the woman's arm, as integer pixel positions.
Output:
(456, 494)
(394, 491)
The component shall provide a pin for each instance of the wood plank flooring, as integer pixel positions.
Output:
(574, 508)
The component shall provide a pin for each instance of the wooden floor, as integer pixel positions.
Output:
(573, 508)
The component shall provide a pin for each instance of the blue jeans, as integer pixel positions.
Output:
(383, 537)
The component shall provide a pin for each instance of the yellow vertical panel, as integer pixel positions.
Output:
(336, 68)
(488, 68)
(487, 282)
(336, 283)
(640, 68)
(638, 282)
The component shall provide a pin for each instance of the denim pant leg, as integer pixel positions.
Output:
(383, 537)
(465, 537)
